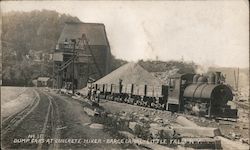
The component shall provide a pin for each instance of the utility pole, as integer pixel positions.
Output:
(53, 86)
(238, 74)
(235, 81)
(88, 70)
(73, 67)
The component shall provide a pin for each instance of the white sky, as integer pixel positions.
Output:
(207, 32)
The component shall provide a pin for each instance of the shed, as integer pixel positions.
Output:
(42, 81)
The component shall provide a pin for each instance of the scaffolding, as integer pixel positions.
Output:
(72, 61)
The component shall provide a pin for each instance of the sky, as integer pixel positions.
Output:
(210, 33)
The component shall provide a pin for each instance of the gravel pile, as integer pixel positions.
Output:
(130, 73)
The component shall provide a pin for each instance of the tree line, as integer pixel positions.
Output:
(23, 32)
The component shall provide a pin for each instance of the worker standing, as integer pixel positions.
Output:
(89, 93)
(98, 92)
(93, 92)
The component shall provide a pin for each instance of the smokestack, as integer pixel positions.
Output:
(217, 77)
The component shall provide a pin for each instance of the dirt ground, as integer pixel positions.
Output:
(76, 123)
(14, 99)
(65, 120)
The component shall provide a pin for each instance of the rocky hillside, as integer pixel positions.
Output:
(164, 69)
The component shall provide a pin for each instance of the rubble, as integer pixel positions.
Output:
(110, 115)
(158, 131)
(134, 113)
(133, 124)
(232, 145)
(86, 124)
(158, 119)
(242, 125)
(142, 118)
(234, 135)
(245, 140)
(90, 112)
(154, 125)
(96, 126)
(127, 134)
(197, 131)
(126, 118)
(166, 123)
(185, 122)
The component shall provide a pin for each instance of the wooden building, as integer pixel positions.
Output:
(42, 81)
(86, 46)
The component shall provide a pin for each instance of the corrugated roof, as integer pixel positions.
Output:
(94, 32)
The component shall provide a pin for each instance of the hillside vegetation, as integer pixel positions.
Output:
(26, 32)
(23, 32)
(163, 66)
(165, 69)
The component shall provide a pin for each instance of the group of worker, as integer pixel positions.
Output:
(93, 94)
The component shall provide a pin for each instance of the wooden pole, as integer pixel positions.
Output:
(235, 84)
(73, 67)
(53, 86)
(238, 74)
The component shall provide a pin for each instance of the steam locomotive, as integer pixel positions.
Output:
(202, 95)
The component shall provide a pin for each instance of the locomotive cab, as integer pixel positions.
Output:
(177, 84)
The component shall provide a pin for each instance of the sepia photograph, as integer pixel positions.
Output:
(112, 75)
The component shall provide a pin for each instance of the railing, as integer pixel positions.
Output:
(66, 64)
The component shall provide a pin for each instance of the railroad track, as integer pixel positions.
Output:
(11, 122)
(50, 128)
(52, 119)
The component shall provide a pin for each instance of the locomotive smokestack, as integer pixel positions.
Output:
(217, 77)
(202, 79)
(195, 78)
(211, 78)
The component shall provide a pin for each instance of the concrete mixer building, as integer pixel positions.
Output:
(82, 54)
